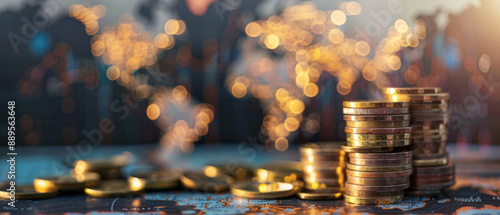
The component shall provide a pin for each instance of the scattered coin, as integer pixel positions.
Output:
(265, 190)
(66, 182)
(239, 170)
(115, 188)
(27, 192)
(200, 181)
(157, 179)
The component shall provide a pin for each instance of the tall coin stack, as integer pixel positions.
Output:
(429, 119)
(380, 160)
(324, 170)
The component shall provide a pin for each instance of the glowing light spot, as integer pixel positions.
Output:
(239, 90)
(369, 73)
(301, 80)
(362, 48)
(401, 26)
(484, 63)
(281, 144)
(272, 41)
(281, 94)
(412, 40)
(172, 27)
(336, 36)
(98, 48)
(311, 89)
(291, 124)
(338, 17)
(353, 8)
(393, 62)
(153, 111)
(253, 29)
(297, 106)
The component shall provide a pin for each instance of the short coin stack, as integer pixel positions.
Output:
(429, 119)
(324, 170)
(380, 163)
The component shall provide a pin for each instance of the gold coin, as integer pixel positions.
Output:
(431, 162)
(377, 124)
(379, 168)
(376, 111)
(375, 137)
(281, 171)
(67, 182)
(115, 188)
(319, 195)
(237, 169)
(400, 117)
(26, 192)
(264, 190)
(375, 104)
(156, 179)
(200, 181)
(382, 143)
(411, 90)
(373, 201)
(418, 97)
(108, 168)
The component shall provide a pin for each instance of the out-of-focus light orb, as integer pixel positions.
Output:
(411, 75)
(172, 27)
(281, 144)
(401, 26)
(393, 62)
(412, 40)
(336, 36)
(239, 90)
(362, 48)
(369, 73)
(301, 80)
(281, 93)
(153, 111)
(297, 106)
(291, 124)
(353, 8)
(311, 90)
(163, 41)
(338, 17)
(272, 41)
(484, 63)
(142, 91)
(98, 48)
(253, 29)
(180, 93)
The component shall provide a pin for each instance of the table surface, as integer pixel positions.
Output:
(477, 188)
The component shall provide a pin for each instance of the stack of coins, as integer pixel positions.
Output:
(324, 170)
(429, 119)
(380, 160)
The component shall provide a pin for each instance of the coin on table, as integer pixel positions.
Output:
(388, 188)
(352, 149)
(378, 143)
(432, 170)
(400, 117)
(264, 190)
(374, 194)
(379, 168)
(115, 188)
(392, 155)
(380, 162)
(377, 124)
(200, 181)
(67, 182)
(368, 200)
(108, 168)
(376, 111)
(307, 194)
(238, 170)
(375, 104)
(400, 130)
(378, 174)
(378, 137)
(411, 90)
(283, 171)
(378, 181)
(157, 179)
(26, 192)
(418, 97)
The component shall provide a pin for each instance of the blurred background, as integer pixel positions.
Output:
(183, 73)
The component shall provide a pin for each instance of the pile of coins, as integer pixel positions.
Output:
(324, 170)
(429, 119)
(378, 139)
